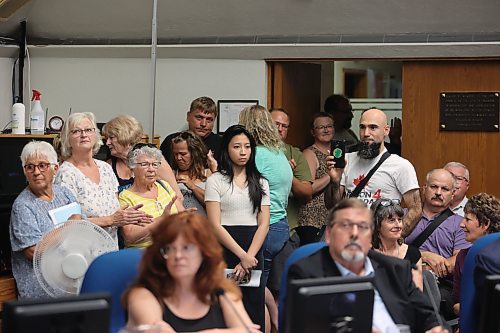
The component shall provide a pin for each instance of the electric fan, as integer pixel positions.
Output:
(63, 255)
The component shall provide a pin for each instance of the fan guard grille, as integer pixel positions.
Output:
(55, 254)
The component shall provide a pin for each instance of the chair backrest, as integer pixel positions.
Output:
(113, 272)
(299, 253)
(431, 287)
(468, 321)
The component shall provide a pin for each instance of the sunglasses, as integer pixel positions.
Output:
(389, 202)
(385, 203)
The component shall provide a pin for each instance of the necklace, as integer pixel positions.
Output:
(384, 251)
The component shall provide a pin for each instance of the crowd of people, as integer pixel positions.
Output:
(203, 203)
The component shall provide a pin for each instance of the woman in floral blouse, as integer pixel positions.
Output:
(92, 181)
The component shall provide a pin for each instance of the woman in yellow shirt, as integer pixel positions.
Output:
(157, 198)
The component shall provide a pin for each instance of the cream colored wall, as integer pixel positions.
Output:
(5, 90)
(112, 86)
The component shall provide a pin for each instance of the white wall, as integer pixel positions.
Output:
(5, 90)
(112, 86)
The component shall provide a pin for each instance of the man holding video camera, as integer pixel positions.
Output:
(393, 177)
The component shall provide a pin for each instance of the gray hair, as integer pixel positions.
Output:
(38, 149)
(380, 213)
(458, 165)
(144, 150)
(453, 179)
(72, 121)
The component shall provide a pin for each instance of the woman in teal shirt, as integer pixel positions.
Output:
(274, 166)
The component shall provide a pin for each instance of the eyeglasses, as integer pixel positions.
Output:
(186, 250)
(390, 202)
(278, 124)
(323, 127)
(348, 226)
(81, 131)
(158, 206)
(43, 166)
(146, 165)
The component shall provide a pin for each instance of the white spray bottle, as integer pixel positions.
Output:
(37, 116)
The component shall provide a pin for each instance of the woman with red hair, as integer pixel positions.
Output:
(181, 285)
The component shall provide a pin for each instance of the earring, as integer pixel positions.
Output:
(164, 254)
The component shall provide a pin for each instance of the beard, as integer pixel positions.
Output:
(352, 256)
(369, 150)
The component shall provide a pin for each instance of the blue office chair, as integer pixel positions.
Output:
(113, 272)
(299, 253)
(468, 314)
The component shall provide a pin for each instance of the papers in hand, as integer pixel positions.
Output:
(61, 214)
(254, 277)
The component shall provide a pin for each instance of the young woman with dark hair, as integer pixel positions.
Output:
(237, 203)
(180, 282)
(274, 166)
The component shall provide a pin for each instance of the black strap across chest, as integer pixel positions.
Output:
(364, 181)
(417, 242)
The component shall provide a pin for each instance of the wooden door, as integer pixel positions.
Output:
(427, 147)
(296, 87)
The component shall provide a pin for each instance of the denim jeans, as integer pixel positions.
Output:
(276, 238)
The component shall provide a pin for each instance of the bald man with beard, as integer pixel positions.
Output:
(394, 179)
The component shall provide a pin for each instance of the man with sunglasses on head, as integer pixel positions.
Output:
(201, 119)
(461, 174)
(397, 301)
(395, 177)
(438, 234)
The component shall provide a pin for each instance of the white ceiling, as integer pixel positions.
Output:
(259, 22)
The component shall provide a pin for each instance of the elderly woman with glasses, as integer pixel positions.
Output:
(181, 285)
(156, 198)
(92, 181)
(387, 236)
(30, 218)
(121, 134)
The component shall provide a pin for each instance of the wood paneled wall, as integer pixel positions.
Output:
(296, 87)
(428, 148)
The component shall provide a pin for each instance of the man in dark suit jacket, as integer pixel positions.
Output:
(487, 263)
(349, 234)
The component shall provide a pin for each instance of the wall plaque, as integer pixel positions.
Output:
(469, 111)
